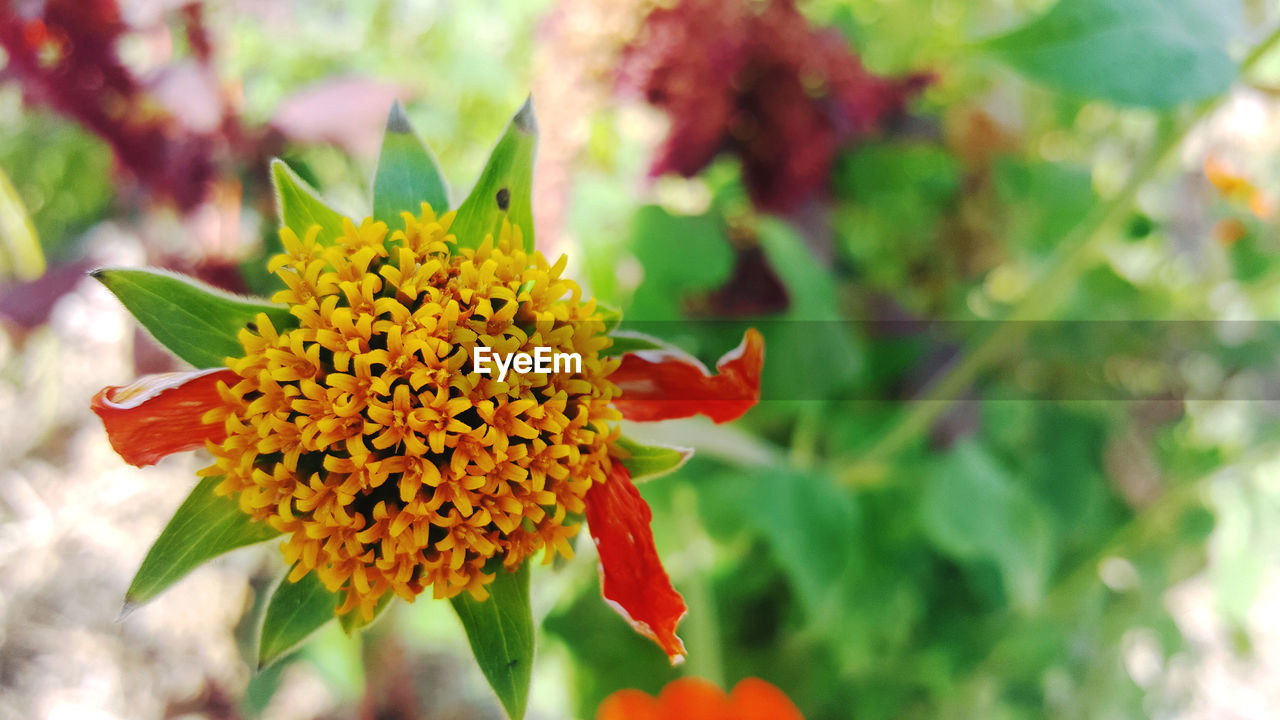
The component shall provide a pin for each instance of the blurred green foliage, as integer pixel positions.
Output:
(61, 173)
(1015, 550)
(1009, 558)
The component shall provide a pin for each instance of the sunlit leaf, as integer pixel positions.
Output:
(814, 333)
(646, 462)
(505, 187)
(295, 611)
(197, 322)
(625, 341)
(812, 528)
(205, 526)
(500, 630)
(973, 511)
(20, 253)
(1149, 53)
(407, 174)
(682, 256)
(300, 207)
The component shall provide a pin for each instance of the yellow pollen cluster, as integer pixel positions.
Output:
(365, 436)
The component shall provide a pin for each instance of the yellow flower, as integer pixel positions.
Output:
(356, 434)
(354, 415)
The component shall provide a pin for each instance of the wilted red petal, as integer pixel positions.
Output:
(160, 414)
(631, 574)
(661, 385)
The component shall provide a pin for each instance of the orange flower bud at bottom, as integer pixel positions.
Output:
(697, 699)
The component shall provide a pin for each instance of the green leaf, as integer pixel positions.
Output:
(300, 206)
(625, 341)
(500, 630)
(505, 187)
(407, 174)
(205, 526)
(1148, 53)
(650, 461)
(1042, 201)
(295, 611)
(812, 330)
(682, 255)
(197, 322)
(813, 529)
(972, 510)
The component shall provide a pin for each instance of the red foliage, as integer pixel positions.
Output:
(756, 80)
(64, 55)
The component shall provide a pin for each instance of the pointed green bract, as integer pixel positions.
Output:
(500, 630)
(300, 206)
(625, 341)
(197, 322)
(505, 187)
(205, 526)
(650, 461)
(295, 611)
(407, 175)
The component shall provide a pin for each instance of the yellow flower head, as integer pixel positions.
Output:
(365, 435)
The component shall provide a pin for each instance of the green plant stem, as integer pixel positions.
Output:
(1072, 256)
(702, 624)
(806, 434)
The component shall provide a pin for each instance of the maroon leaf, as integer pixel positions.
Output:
(757, 81)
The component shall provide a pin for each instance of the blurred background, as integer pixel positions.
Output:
(1016, 263)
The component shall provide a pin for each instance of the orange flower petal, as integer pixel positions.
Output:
(631, 574)
(630, 705)
(691, 698)
(755, 699)
(661, 384)
(160, 414)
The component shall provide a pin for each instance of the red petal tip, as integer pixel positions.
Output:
(668, 384)
(158, 415)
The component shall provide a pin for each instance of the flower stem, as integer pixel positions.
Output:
(1072, 256)
(702, 624)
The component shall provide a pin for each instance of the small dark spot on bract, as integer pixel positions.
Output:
(504, 198)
